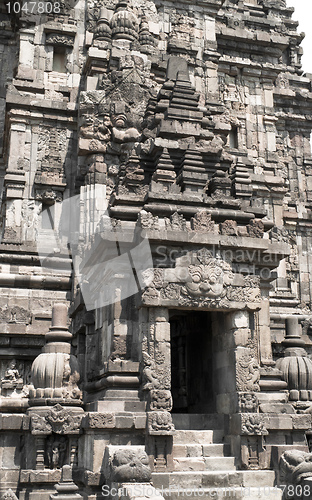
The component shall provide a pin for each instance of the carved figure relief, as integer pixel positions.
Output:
(160, 400)
(155, 375)
(147, 220)
(247, 373)
(207, 281)
(11, 373)
(56, 449)
(247, 403)
(160, 422)
(176, 222)
(201, 222)
(14, 382)
(252, 424)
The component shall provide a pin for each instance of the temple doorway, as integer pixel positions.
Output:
(192, 362)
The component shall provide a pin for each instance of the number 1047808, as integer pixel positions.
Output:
(33, 7)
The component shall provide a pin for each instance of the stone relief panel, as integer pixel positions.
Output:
(207, 281)
(247, 402)
(247, 371)
(15, 378)
(160, 399)
(58, 420)
(160, 423)
(253, 424)
(156, 375)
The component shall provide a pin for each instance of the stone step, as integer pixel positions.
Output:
(214, 479)
(204, 463)
(198, 421)
(198, 450)
(198, 437)
(217, 450)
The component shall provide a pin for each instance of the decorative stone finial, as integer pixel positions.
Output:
(295, 366)
(124, 23)
(103, 30)
(55, 371)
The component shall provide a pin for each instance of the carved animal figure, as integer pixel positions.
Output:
(295, 466)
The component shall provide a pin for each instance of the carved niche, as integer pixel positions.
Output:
(56, 451)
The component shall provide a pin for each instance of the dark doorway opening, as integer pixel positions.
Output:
(192, 363)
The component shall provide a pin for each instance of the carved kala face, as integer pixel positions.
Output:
(207, 280)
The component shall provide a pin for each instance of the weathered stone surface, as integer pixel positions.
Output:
(156, 176)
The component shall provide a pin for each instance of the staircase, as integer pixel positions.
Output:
(203, 467)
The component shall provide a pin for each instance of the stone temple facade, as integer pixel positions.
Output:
(169, 142)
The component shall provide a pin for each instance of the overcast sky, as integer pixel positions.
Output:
(303, 14)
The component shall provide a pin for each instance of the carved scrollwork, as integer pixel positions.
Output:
(295, 466)
(60, 39)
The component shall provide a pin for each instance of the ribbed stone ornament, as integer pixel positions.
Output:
(295, 366)
(55, 372)
(124, 23)
(103, 30)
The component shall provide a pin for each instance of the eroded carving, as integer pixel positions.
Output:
(160, 422)
(130, 464)
(57, 420)
(176, 222)
(253, 424)
(295, 466)
(160, 400)
(202, 223)
(247, 403)
(56, 447)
